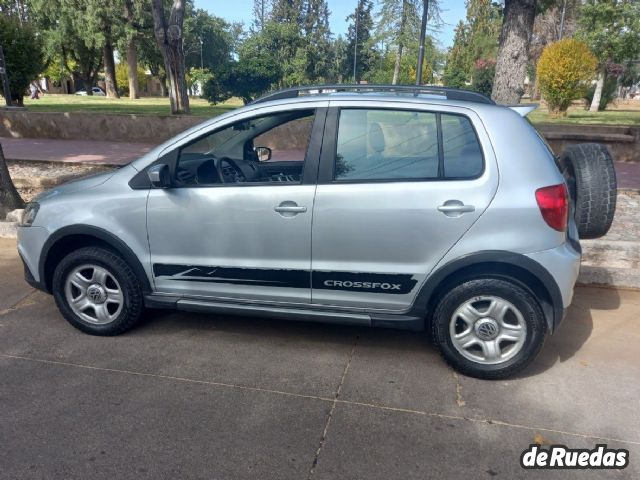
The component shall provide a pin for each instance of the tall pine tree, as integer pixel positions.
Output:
(360, 52)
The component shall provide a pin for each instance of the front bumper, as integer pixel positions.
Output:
(29, 278)
(31, 241)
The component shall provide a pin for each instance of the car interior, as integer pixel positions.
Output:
(265, 149)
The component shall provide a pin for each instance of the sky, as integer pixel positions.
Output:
(242, 11)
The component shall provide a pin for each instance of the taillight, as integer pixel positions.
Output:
(554, 206)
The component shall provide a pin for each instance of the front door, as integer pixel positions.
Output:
(397, 189)
(236, 223)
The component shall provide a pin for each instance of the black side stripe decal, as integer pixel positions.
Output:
(390, 283)
(236, 276)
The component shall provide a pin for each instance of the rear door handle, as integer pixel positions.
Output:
(455, 208)
(289, 209)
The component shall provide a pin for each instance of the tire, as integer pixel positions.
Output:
(521, 328)
(108, 296)
(591, 178)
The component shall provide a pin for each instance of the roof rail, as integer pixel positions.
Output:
(448, 93)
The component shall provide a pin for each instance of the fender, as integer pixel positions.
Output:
(552, 308)
(101, 234)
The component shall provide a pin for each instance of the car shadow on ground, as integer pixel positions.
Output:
(575, 329)
(565, 342)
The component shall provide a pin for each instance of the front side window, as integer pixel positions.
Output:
(262, 150)
(399, 145)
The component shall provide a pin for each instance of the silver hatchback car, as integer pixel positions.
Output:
(394, 207)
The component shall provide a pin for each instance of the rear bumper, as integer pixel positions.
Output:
(563, 264)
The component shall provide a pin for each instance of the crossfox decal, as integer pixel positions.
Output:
(389, 283)
(367, 285)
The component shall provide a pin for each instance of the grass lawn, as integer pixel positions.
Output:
(142, 106)
(623, 114)
(627, 114)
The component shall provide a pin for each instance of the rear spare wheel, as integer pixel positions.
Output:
(591, 179)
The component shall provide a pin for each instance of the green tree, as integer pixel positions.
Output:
(207, 39)
(360, 50)
(455, 72)
(261, 12)
(252, 74)
(76, 33)
(287, 11)
(611, 28)
(476, 39)
(123, 75)
(484, 18)
(15, 8)
(399, 25)
(483, 73)
(169, 34)
(318, 50)
(23, 57)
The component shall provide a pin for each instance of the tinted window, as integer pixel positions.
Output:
(266, 149)
(400, 144)
(386, 144)
(462, 154)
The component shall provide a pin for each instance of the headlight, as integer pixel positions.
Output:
(29, 215)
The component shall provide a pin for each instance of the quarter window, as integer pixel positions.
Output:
(403, 145)
(461, 150)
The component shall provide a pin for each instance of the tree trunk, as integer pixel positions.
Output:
(515, 37)
(597, 94)
(169, 38)
(9, 197)
(132, 69)
(111, 85)
(396, 67)
(164, 91)
(87, 81)
(401, 33)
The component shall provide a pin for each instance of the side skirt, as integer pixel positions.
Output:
(297, 313)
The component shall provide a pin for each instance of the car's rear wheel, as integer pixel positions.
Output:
(97, 292)
(591, 178)
(489, 328)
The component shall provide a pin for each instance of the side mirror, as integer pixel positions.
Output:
(159, 176)
(263, 153)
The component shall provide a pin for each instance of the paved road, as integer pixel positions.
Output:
(195, 396)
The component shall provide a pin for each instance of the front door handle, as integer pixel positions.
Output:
(455, 208)
(289, 209)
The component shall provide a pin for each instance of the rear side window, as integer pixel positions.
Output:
(374, 145)
(461, 150)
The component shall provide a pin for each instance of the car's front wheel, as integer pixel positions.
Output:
(97, 292)
(489, 328)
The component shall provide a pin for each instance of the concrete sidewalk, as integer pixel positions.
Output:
(204, 396)
(72, 151)
(120, 153)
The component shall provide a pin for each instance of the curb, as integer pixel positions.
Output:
(75, 162)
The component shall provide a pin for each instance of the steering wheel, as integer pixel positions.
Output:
(229, 171)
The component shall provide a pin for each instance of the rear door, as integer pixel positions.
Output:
(398, 187)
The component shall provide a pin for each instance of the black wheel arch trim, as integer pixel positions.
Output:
(552, 308)
(104, 236)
